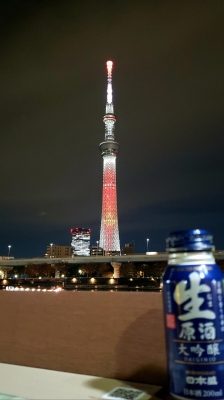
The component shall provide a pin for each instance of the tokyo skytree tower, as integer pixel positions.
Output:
(109, 234)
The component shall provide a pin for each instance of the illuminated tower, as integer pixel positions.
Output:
(109, 234)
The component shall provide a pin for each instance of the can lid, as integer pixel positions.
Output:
(191, 240)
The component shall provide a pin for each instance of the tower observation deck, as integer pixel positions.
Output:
(109, 233)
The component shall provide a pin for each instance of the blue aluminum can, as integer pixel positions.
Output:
(194, 317)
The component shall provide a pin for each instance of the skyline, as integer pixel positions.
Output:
(168, 92)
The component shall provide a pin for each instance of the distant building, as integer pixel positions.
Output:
(55, 251)
(6, 258)
(129, 248)
(81, 241)
(97, 251)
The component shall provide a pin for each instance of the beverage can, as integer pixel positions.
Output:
(194, 317)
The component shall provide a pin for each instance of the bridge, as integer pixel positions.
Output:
(147, 257)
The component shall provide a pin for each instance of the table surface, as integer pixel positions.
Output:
(35, 383)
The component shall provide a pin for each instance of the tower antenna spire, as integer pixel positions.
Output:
(109, 118)
(109, 234)
(109, 82)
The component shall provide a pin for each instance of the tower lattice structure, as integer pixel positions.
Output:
(109, 233)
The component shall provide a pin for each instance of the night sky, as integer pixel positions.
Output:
(168, 83)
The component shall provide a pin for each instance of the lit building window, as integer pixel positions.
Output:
(81, 241)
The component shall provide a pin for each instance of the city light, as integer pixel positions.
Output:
(81, 241)
(9, 248)
(51, 244)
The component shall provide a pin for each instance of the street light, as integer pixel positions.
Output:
(97, 242)
(9, 247)
(147, 245)
(51, 244)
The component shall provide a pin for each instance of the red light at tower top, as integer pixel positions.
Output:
(109, 66)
